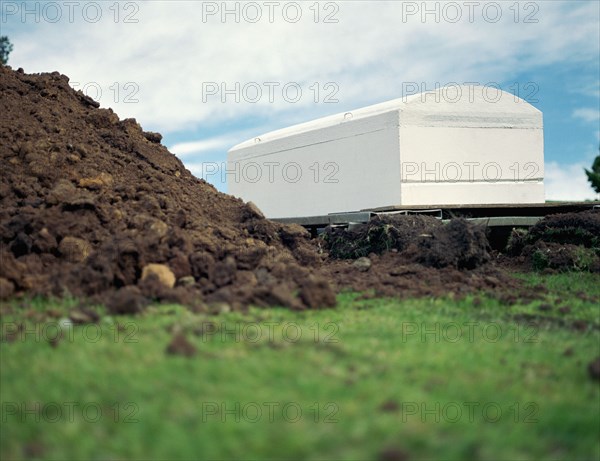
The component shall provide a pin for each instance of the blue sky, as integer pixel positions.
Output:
(163, 62)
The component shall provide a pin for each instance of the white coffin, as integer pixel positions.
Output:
(466, 145)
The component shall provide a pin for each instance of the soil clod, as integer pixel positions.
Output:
(180, 345)
(594, 369)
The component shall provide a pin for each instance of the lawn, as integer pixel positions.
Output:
(371, 379)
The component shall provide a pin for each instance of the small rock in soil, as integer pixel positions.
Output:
(253, 211)
(161, 272)
(186, 281)
(152, 136)
(362, 264)
(74, 249)
(83, 315)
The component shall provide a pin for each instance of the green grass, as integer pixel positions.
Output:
(338, 367)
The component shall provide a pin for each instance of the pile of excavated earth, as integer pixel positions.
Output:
(93, 206)
(96, 208)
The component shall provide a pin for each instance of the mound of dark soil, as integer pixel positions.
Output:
(569, 241)
(569, 228)
(457, 244)
(414, 238)
(414, 255)
(94, 206)
(382, 233)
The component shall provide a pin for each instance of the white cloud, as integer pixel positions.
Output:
(567, 182)
(185, 149)
(216, 146)
(587, 86)
(170, 53)
(587, 115)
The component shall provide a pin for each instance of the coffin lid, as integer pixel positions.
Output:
(458, 106)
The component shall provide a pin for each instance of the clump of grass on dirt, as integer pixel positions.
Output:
(562, 242)
(421, 239)
(381, 234)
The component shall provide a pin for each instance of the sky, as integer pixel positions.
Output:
(209, 75)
